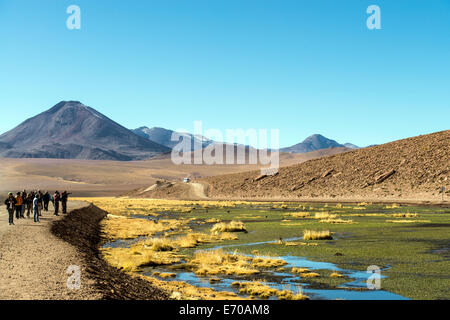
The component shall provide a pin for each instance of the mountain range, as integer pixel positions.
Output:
(72, 130)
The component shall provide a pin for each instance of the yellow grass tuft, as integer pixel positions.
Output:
(392, 206)
(336, 275)
(214, 280)
(405, 215)
(233, 226)
(299, 214)
(338, 221)
(324, 215)
(257, 289)
(309, 275)
(299, 270)
(317, 235)
(288, 295)
(265, 262)
(164, 275)
(160, 244)
(128, 228)
(131, 259)
(408, 221)
(213, 262)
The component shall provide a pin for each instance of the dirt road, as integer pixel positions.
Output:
(197, 190)
(33, 262)
(35, 257)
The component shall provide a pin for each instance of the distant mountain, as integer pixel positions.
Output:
(164, 137)
(351, 146)
(71, 130)
(312, 143)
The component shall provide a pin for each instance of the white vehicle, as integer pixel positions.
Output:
(186, 180)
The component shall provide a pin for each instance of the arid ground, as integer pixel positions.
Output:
(103, 178)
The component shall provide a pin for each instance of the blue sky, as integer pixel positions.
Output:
(303, 67)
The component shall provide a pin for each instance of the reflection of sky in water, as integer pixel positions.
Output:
(291, 282)
(288, 281)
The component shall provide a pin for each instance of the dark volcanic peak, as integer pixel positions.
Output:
(71, 130)
(312, 143)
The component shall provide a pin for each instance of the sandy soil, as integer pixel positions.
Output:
(112, 178)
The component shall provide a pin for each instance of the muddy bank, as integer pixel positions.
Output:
(81, 229)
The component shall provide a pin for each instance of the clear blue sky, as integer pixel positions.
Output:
(301, 66)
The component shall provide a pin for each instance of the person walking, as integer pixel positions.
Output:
(19, 202)
(30, 198)
(40, 202)
(64, 198)
(24, 204)
(10, 203)
(56, 199)
(36, 208)
(46, 199)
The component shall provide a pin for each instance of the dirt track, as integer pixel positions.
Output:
(35, 257)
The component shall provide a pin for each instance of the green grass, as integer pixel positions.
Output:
(415, 270)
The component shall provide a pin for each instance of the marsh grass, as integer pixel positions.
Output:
(299, 270)
(324, 215)
(408, 221)
(129, 228)
(369, 238)
(257, 288)
(336, 275)
(262, 290)
(299, 214)
(131, 260)
(405, 215)
(164, 275)
(309, 275)
(213, 262)
(317, 235)
(233, 226)
(334, 221)
(267, 262)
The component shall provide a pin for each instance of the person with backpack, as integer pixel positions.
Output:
(19, 203)
(36, 208)
(64, 198)
(56, 199)
(10, 203)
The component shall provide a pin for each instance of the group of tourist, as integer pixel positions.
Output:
(35, 202)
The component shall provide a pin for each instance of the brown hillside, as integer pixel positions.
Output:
(411, 169)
